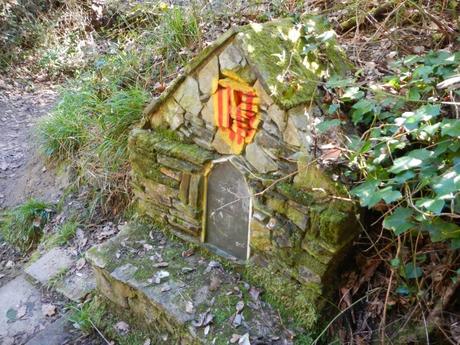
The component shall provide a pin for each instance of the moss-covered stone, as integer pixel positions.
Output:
(292, 80)
(124, 271)
(276, 204)
(155, 141)
(291, 192)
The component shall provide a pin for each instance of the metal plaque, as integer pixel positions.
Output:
(228, 210)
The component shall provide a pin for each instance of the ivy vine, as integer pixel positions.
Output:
(408, 157)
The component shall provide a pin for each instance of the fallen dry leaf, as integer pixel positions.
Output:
(214, 284)
(161, 264)
(22, 311)
(80, 263)
(244, 340)
(237, 320)
(189, 307)
(239, 306)
(254, 293)
(187, 253)
(234, 338)
(122, 327)
(49, 310)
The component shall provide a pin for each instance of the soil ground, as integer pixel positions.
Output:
(23, 175)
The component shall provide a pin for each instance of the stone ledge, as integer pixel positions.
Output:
(128, 271)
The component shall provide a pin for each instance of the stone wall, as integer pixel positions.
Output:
(302, 220)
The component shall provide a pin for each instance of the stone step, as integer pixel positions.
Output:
(21, 313)
(75, 284)
(191, 298)
(49, 265)
(56, 333)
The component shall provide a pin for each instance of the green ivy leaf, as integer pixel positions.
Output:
(395, 262)
(414, 94)
(339, 82)
(411, 120)
(412, 271)
(450, 128)
(333, 108)
(400, 221)
(362, 107)
(401, 178)
(366, 192)
(447, 184)
(324, 126)
(440, 230)
(433, 205)
(352, 93)
(389, 195)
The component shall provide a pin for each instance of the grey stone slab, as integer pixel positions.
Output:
(228, 210)
(54, 334)
(15, 296)
(259, 159)
(78, 285)
(53, 262)
(207, 74)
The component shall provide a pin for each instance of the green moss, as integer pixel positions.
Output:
(289, 73)
(155, 141)
(291, 192)
(101, 313)
(310, 177)
(296, 302)
(276, 204)
(297, 217)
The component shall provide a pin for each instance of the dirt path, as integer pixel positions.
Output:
(24, 174)
(22, 171)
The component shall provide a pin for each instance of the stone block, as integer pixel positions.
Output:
(183, 216)
(291, 134)
(177, 164)
(260, 236)
(188, 96)
(259, 159)
(183, 188)
(78, 285)
(268, 141)
(277, 115)
(297, 214)
(220, 145)
(265, 100)
(207, 114)
(16, 294)
(50, 264)
(194, 192)
(184, 225)
(207, 74)
(56, 333)
(174, 174)
(172, 113)
(276, 204)
(231, 58)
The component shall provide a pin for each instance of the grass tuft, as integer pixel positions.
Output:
(22, 226)
(63, 235)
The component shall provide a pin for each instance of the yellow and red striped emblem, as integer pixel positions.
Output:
(236, 112)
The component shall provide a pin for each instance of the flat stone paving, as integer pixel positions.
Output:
(20, 311)
(77, 285)
(213, 304)
(55, 334)
(50, 264)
